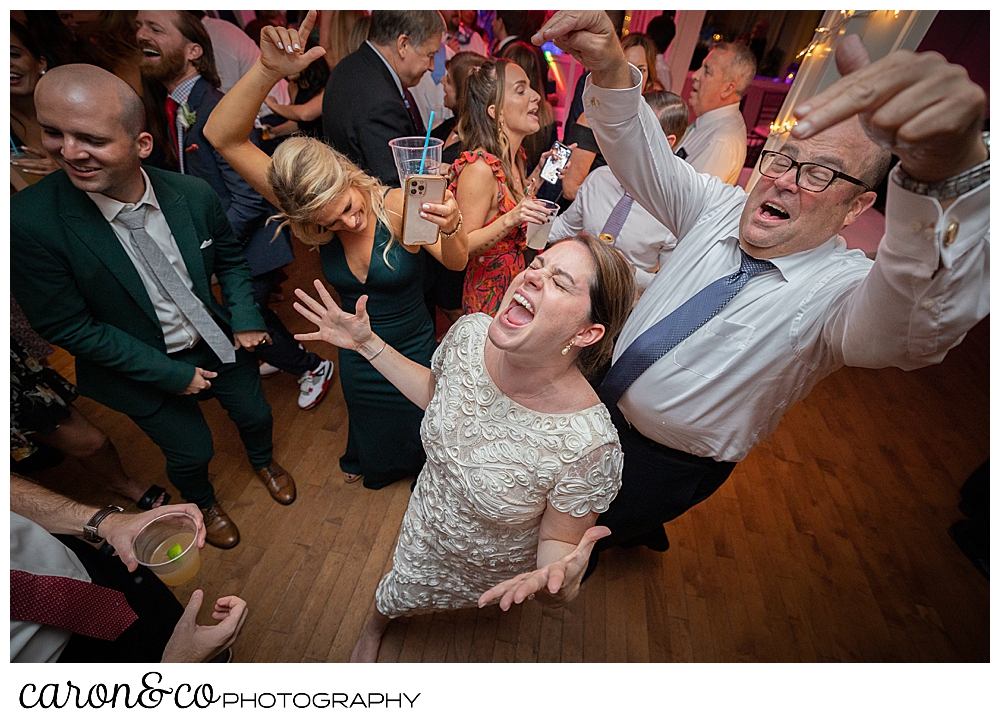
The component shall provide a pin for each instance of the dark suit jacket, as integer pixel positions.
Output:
(363, 111)
(246, 209)
(80, 290)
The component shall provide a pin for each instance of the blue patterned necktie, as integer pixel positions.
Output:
(616, 221)
(674, 328)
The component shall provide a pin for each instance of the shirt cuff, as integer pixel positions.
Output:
(917, 227)
(612, 105)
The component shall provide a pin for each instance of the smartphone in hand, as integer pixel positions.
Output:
(555, 162)
(418, 190)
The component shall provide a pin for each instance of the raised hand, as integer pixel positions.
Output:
(589, 36)
(282, 50)
(348, 331)
(919, 106)
(555, 584)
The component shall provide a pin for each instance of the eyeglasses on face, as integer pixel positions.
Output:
(808, 176)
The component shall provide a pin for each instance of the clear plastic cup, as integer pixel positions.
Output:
(538, 234)
(408, 152)
(166, 545)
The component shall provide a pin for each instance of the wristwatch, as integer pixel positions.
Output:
(950, 187)
(90, 529)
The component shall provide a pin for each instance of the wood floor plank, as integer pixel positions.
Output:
(829, 541)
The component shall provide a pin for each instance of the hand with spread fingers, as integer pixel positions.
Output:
(336, 326)
(917, 105)
(282, 50)
(554, 585)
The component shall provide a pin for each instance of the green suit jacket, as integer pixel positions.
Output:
(80, 290)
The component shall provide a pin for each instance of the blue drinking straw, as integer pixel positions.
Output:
(427, 141)
(13, 147)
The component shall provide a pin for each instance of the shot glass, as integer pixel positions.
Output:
(538, 234)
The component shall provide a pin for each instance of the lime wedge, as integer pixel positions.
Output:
(175, 551)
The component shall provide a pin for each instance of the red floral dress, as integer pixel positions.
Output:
(488, 275)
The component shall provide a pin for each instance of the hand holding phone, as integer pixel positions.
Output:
(557, 160)
(418, 190)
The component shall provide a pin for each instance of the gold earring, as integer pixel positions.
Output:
(566, 349)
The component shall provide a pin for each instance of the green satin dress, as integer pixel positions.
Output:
(383, 439)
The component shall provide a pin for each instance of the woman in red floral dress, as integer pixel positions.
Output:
(490, 184)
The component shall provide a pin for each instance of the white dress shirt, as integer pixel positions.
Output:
(178, 332)
(34, 550)
(716, 143)
(643, 240)
(725, 387)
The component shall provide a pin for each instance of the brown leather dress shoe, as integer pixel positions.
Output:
(221, 530)
(278, 482)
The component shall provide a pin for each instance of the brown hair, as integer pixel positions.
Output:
(192, 29)
(670, 109)
(459, 66)
(612, 296)
(485, 88)
(523, 54)
(645, 42)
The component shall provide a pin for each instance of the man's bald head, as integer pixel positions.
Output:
(88, 81)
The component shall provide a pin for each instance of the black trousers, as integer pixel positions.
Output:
(658, 484)
(284, 351)
(158, 610)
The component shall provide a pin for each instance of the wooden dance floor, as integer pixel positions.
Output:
(828, 543)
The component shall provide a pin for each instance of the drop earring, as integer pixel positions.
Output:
(566, 349)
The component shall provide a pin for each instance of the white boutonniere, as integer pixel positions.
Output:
(188, 116)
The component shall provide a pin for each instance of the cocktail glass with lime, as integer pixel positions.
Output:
(166, 545)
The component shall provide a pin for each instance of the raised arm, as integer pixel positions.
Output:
(229, 127)
(354, 332)
(930, 281)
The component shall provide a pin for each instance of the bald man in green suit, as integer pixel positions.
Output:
(144, 345)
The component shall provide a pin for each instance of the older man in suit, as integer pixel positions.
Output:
(178, 53)
(368, 102)
(114, 262)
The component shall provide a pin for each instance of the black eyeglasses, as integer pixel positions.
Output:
(808, 176)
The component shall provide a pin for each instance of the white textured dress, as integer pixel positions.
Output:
(492, 465)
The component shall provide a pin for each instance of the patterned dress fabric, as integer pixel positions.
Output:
(492, 466)
(488, 275)
(39, 400)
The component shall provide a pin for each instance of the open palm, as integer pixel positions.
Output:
(337, 327)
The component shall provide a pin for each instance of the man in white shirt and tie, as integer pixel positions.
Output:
(716, 143)
(761, 298)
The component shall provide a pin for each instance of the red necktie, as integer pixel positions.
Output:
(411, 106)
(172, 107)
(74, 605)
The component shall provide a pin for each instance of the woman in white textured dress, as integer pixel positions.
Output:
(521, 454)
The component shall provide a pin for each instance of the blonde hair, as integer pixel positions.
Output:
(306, 175)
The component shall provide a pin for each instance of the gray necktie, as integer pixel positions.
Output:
(674, 328)
(173, 287)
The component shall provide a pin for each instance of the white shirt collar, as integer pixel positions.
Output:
(399, 84)
(713, 116)
(110, 208)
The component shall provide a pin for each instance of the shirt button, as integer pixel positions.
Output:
(928, 304)
(916, 226)
(950, 233)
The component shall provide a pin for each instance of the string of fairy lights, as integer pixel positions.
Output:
(820, 45)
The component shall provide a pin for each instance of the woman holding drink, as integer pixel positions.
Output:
(521, 454)
(357, 224)
(490, 181)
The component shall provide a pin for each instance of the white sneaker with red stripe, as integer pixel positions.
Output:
(313, 385)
